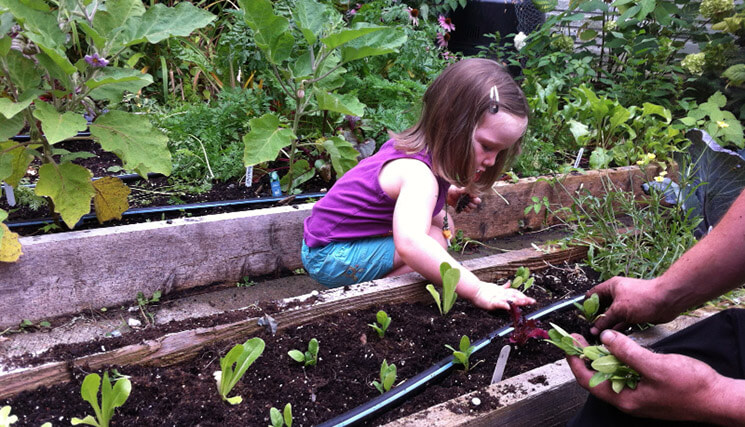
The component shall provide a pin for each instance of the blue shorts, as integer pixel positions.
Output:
(347, 263)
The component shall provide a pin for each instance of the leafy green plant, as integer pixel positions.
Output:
(111, 398)
(280, 419)
(307, 54)
(246, 282)
(25, 326)
(606, 365)
(66, 60)
(450, 277)
(143, 302)
(310, 357)
(5, 418)
(589, 307)
(720, 124)
(383, 321)
(387, 377)
(522, 278)
(463, 354)
(234, 365)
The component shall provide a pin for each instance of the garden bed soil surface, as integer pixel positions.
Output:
(350, 357)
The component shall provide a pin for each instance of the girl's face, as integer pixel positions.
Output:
(494, 133)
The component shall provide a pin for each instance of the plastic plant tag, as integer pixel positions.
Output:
(504, 353)
(9, 194)
(579, 157)
(249, 175)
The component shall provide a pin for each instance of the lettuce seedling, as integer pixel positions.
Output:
(524, 329)
(241, 356)
(606, 365)
(522, 278)
(111, 398)
(463, 354)
(589, 307)
(310, 357)
(387, 377)
(450, 278)
(5, 418)
(383, 321)
(279, 419)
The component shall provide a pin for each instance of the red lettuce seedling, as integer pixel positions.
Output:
(524, 329)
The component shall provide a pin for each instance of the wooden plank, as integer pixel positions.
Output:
(181, 346)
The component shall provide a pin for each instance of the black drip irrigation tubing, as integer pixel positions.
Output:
(186, 207)
(380, 403)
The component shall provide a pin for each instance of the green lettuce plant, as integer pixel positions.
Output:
(234, 365)
(383, 321)
(62, 61)
(606, 365)
(111, 398)
(589, 307)
(463, 354)
(280, 419)
(522, 278)
(310, 357)
(387, 377)
(5, 418)
(307, 53)
(450, 277)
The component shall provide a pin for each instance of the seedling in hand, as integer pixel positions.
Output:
(589, 308)
(463, 354)
(387, 377)
(450, 277)
(279, 419)
(383, 321)
(111, 398)
(5, 418)
(606, 365)
(234, 365)
(310, 357)
(524, 329)
(522, 278)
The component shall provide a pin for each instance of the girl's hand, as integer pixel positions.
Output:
(454, 195)
(491, 296)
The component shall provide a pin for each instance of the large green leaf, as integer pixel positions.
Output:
(9, 108)
(161, 22)
(378, 43)
(57, 126)
(271, 32)
(42, 22)
(343, 154)
(736, 74)
(265, 140)
(19, 157)
(344, 104)
(55, 52)
(10, 127)
(111, 83)
(310, 16)
(107, 22)
(23, 72)
(70, 188)
(133, 138)
(98, 40)
(345, 36)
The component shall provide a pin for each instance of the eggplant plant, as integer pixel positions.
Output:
(307, 54)
(58, 62)
(111, 398)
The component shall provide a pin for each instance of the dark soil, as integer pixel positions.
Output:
(350, 358)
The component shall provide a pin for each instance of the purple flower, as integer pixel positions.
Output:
(442, 39)
(446, 23)
(414, 16)
(96, 61)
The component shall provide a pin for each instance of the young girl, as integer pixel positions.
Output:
(385, 216)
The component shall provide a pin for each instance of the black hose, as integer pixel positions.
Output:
(379, 403)
(186, 207)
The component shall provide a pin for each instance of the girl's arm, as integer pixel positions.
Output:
(416, 197)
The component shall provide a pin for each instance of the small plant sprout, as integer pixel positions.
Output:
(387, 377)
(450, 277)
(143, 302)
(463, 354)
(310, 357)
(524, 329)
(280, 419)
(234, 365)
(606, 365)
(383, 321)
(5, 418)
(111, 398)
(589, 307)
(522, 278)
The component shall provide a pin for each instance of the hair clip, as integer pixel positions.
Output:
(494, 98)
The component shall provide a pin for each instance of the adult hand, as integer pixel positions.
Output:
(631, 301)
(454, 194)
(491, 296)
(672, 386)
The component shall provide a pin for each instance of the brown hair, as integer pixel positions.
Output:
(452, 108)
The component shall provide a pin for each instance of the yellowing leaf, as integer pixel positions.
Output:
(13, 163)
(110, 200)
(10, 247)
(69, 186)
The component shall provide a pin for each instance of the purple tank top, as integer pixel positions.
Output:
(357, 207)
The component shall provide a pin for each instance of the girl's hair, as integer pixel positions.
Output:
(452, 107)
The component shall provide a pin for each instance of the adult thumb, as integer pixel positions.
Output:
(625, 349)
